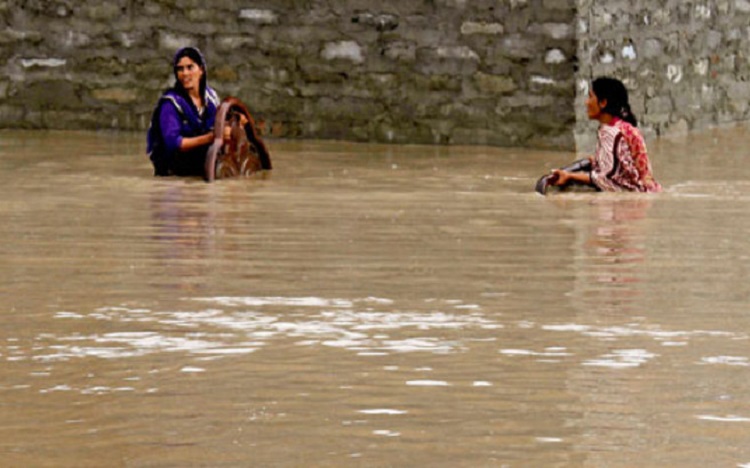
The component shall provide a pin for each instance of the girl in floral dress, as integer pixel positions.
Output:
(620, 162)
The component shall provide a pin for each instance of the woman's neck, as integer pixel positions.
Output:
(196, 98)
(607, 119)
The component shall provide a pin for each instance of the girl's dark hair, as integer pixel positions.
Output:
(195, 55)
(616, 95)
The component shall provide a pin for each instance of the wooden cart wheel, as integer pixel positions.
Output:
(244, 153)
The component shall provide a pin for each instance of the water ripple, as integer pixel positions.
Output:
(370, 326)
(729, 418)
(354, 325)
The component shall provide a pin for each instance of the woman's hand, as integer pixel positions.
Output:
(560, 177)
(189, 143)
(228, 128)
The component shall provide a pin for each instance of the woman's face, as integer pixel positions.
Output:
(189, 74)
(594, 106)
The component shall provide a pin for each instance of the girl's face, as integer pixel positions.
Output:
(189, 74)
(594, 106)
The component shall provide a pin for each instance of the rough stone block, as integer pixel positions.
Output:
(259, 16)
(382, 22)
(50, 94)
(564, 5)
(738, 91)
(343, 50)
(659, 105)
(474, 27)
(225, 73)
(459, 61)
(558, 31)
(520, 47)
(742, 6)
(457, 52)
(554, 56)
(117, 95)
(401, 51)
(234, 43)
(171, 42)
(493, 84)
(105, 11)
(43, 62)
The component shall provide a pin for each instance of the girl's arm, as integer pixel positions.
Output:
(563, 177)
(169, 122)
(189, 143)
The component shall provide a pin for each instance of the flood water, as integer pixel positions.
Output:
(371, 305)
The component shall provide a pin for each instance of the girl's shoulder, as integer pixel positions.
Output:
(633, 136)
(609, 131)
(173, 97)
(628, 129)
(212, 96)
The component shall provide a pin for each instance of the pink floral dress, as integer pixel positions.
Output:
(621, 162)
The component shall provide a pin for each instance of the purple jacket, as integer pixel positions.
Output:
(173, 119)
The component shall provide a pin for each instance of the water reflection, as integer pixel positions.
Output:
(617, 236)
(196, 228)
(182, 221)
(615, 254)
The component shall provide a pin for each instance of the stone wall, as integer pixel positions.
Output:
(418, 71)
(498, 72)
(685, 63)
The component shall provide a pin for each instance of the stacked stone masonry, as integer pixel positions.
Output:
(496, 72)
(686, 63)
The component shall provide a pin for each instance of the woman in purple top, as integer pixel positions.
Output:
(182, 123)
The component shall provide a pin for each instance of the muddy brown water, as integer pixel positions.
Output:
(371, 305)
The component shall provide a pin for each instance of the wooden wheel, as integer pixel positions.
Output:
(244, 153)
